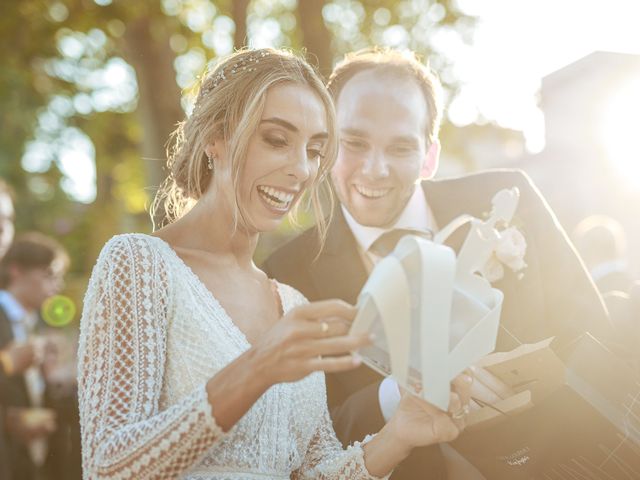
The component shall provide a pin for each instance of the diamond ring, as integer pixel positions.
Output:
(457, 415)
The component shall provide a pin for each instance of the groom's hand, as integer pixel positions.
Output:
(487, 388)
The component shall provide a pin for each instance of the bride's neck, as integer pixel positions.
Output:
(210, 227)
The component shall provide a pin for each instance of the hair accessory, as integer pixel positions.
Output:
(244, 65)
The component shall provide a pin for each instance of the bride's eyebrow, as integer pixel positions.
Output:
(281, 122)
(291, 127)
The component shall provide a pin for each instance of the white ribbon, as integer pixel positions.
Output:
(439, 316)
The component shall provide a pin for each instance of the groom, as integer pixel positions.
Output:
(388, 111)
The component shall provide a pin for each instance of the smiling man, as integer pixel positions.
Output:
(388, 111)
(384, 146)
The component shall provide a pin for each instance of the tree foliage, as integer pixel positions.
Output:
(94, 88)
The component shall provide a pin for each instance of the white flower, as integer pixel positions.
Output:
(509, 251)
(493, 269)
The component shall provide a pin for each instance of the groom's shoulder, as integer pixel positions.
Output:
(487, 182)
(496, 176)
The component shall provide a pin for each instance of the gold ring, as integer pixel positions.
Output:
(460, 413)
(324, 327)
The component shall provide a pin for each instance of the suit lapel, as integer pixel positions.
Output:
(447, 203)
(338, 272)
(473, 194)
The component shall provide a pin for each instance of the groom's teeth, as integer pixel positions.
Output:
(277, 198)
(372, 192)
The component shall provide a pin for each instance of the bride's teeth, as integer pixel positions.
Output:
(274, 197)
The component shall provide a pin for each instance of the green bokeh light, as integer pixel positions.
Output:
(58, 311)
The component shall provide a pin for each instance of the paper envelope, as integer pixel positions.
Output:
(575, 414)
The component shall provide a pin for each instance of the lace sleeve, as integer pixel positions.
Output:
(121, 362)
(327, 460)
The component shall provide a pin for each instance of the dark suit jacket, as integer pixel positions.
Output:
(555, 297)
(4, 455)
(15, 394)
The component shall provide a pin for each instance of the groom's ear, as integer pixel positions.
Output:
(431, 160)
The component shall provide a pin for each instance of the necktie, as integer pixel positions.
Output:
(386, 242)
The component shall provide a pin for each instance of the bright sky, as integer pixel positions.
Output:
(517, 42)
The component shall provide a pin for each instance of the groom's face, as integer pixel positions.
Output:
(382, 123)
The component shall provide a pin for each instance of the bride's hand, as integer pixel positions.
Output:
(310, 337)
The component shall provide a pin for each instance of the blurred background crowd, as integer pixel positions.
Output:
(91, 89)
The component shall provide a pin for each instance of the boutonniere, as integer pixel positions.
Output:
(509, 251)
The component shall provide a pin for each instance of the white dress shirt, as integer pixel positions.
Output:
(21, 322)
(417, 216)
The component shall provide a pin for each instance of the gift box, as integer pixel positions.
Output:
(575, 415)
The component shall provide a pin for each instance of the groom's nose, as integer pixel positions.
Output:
(375, 165)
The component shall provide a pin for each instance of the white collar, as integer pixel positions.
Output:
(14, 310)
(416, 215)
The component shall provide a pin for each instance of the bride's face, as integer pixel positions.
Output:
(283, 155)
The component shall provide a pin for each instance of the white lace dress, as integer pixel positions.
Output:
(151, 336)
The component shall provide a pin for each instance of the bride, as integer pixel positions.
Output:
(192, 363)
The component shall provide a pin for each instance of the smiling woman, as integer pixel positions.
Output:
(192, 363)
(290, 139)
(230, 112)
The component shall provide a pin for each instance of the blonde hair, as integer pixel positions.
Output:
(403, 64)
(229, 106)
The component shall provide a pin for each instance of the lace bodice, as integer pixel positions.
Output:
(151, 336)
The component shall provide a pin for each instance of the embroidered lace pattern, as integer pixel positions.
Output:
(151, 336)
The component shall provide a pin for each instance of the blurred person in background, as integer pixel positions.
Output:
(602, 244)
(624, 309)
(15, 359)
(30, 272)
(8, 361)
